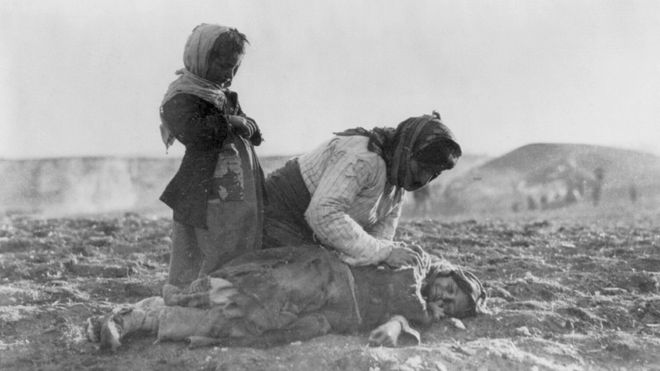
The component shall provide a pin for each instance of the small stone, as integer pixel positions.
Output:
(414, 362)
(613, 291)
(523, 331)
(457, 323)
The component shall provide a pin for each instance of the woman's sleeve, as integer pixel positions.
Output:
(327, 214)
(194, 122)
(385, 228)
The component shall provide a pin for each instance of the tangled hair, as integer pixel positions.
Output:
(228, 43)
(435, 270)
(466, 281)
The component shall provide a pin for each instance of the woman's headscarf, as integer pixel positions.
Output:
(424, 135)
(192, 79)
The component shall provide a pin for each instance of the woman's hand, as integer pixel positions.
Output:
(386, 334)
(403, 255)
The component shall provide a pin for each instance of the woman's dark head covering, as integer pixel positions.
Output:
(424, 138)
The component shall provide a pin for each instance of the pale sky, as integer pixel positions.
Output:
(87, 77)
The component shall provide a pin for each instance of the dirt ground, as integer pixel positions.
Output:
(576, 289)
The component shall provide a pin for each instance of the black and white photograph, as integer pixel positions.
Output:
(330, 185)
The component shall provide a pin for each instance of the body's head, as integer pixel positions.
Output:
(214, 53)
(422, 148)
(459, 293)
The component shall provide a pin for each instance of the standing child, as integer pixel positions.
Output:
(216, 195)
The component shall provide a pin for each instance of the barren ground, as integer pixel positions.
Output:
(573, 289)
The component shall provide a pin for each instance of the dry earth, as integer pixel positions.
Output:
(575, 289)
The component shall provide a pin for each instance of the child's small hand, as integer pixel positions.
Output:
(437, 312)
(241, 126)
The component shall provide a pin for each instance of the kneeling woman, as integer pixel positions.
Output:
(347, 193)
(280, 295)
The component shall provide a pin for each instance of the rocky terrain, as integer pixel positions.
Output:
(570, 289)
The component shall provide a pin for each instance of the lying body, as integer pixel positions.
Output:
(276, 296)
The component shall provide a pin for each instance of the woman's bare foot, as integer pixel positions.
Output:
(108, 330)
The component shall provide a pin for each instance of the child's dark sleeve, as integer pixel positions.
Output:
(194, 122)
(251, 125)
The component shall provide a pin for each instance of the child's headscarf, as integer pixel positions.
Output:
(192, 79)
(466, 281)
(425, 134)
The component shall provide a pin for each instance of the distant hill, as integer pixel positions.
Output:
(432, 193)
(551, 175)
(465, 163)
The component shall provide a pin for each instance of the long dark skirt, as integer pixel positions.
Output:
(284, 213)
(235, 222)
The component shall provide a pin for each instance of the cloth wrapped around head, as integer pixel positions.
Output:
(424, 138)
(193, 77)
(466, 281)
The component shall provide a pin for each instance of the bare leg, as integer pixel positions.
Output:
(185, 255)
(216, 315)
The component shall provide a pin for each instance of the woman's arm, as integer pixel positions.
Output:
(327, 214)
(386, 227)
